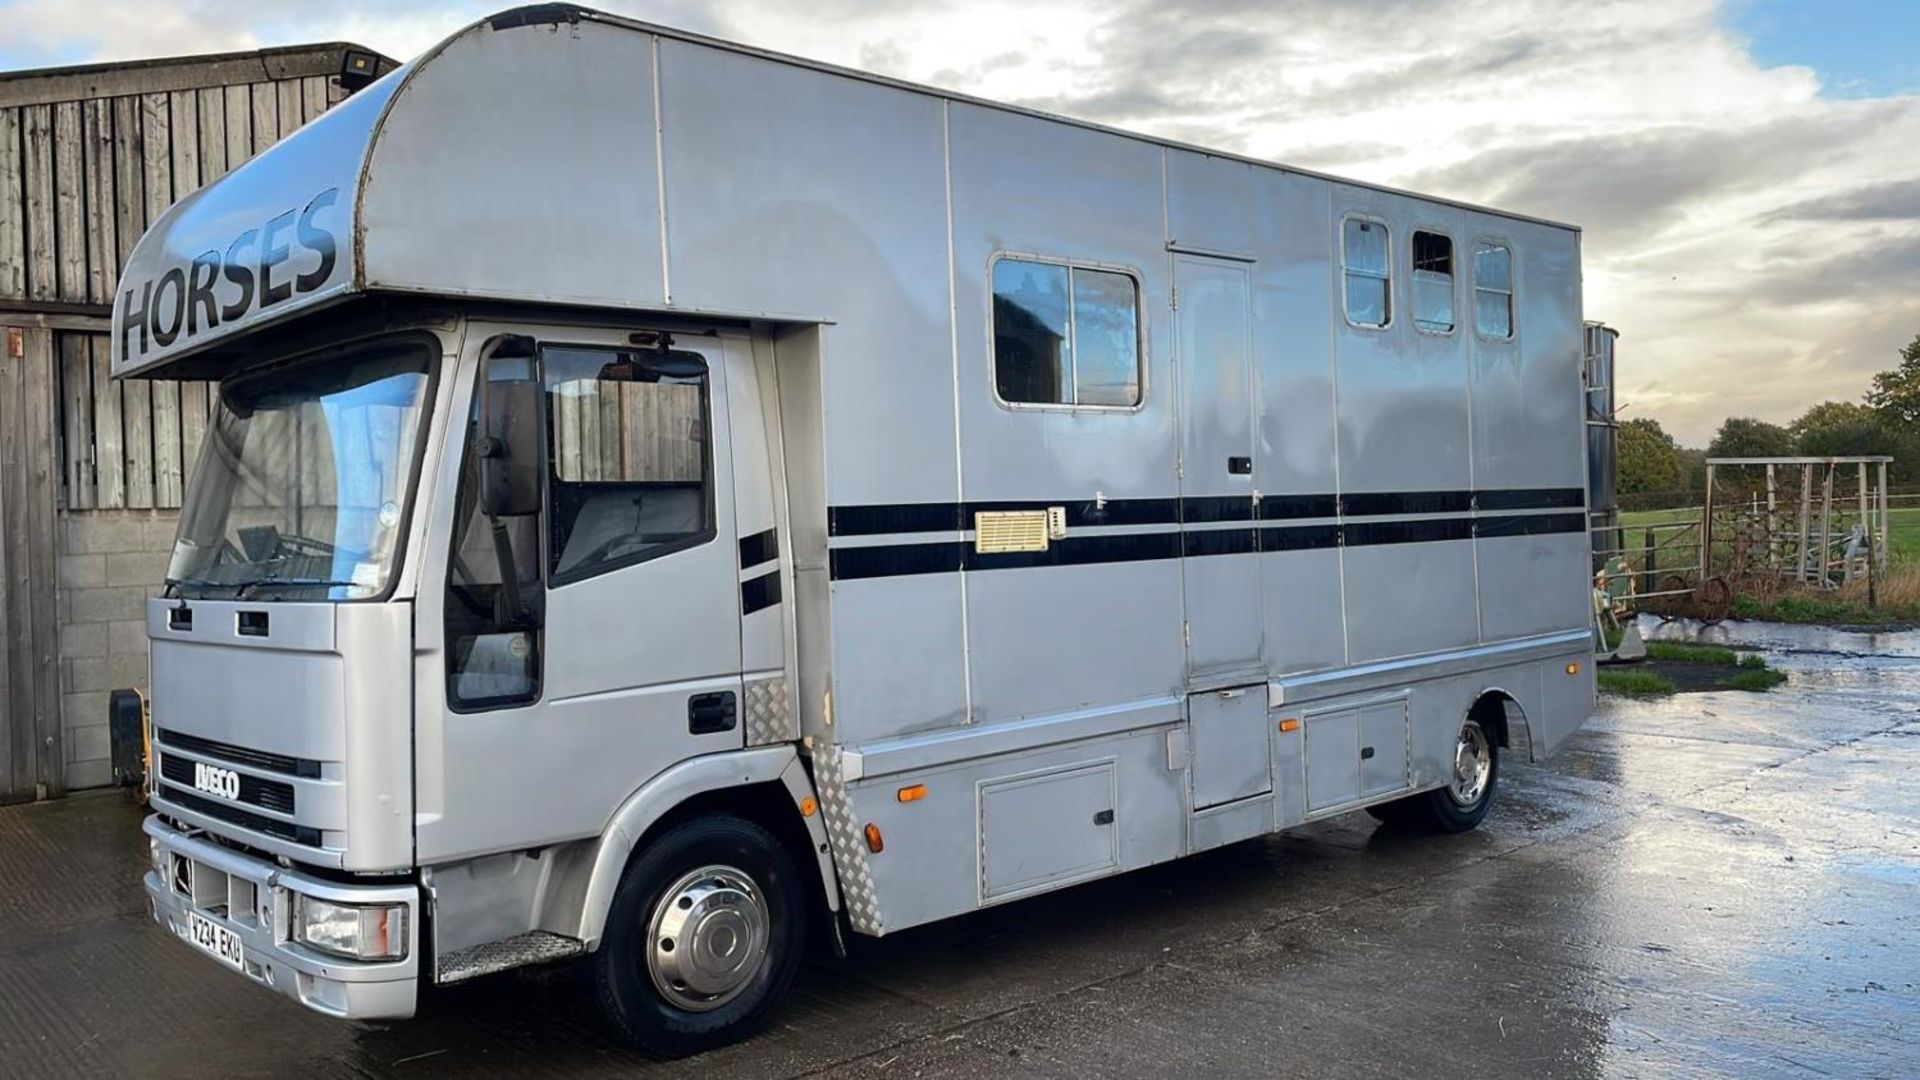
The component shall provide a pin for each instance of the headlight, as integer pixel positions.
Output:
(360, 932)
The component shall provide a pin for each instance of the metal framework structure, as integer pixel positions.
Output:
(1817, 520)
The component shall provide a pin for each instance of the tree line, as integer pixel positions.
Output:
(1885, 421)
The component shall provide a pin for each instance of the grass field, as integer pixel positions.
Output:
(1898, 594)
(1903, 533)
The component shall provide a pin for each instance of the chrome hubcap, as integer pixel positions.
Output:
(707, 938)
(1472, 765)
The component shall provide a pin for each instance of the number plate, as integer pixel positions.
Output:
(215, 940)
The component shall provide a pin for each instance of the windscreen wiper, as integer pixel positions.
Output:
(172, 590)
(312, 583)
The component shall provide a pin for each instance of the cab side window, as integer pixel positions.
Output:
(494, 600)
(631, 473)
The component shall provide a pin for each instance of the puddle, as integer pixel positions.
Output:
(1786, 637)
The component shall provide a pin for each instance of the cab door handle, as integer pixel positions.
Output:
(708, 714)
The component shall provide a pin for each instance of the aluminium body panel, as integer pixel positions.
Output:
(269, 241)
(289, 706)
(447, 210)
(1051, 636)
(787, 192)
(871, 272)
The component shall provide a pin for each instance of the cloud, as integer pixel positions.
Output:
(1752, 232)
(1898, 200)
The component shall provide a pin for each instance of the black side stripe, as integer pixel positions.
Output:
(760, 592)
(879, 519)
(1532, 499)
(1203, 508)
(1366, 534)
(1078, 551)
(894, 560)
(1282, 507)
(758, 548)
(1365, 504)
(1530, 525)
(893, 518)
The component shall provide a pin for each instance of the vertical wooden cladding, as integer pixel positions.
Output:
(79, 183)
(32, 761)
(36, 172)
(13, 219)
(88, 161)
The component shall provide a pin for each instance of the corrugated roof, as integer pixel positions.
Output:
(83, 82)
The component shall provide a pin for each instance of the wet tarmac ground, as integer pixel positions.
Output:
(1715, 884)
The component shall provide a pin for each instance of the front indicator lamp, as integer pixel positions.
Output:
(355, 931)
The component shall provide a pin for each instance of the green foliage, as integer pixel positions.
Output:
(1841, 429)
(1633, 682)
(1691, 653)
(1649, 459)
(1896, 393)
(1826, 608)
(1756, 679)
(1744, 436)
(1693, 470)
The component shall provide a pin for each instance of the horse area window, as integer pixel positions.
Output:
(1365, 249)
(1065, 335)
(1433, 282)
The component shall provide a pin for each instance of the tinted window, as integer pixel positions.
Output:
(1065, 335)
(1030, 358)
(1369, 293)
(1106, 339)
(631, 474)
(1433, 281)
(494, 599)
(1493, 289)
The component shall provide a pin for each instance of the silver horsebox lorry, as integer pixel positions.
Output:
(666, 500)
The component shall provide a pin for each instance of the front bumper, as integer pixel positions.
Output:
(254, 899)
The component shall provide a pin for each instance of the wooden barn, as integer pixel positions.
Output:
(91, 472)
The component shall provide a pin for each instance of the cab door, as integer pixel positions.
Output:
(617, 652)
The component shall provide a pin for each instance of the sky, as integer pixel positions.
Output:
(1746, 172)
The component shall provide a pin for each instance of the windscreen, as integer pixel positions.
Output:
(302, 489)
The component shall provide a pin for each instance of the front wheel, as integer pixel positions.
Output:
(703, 938)
(1467, 795)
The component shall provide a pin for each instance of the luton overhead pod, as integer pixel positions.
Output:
(666, 499)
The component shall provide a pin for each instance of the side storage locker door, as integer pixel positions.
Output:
(1230, 752)
(1220, 571)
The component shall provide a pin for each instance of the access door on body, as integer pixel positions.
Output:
(1220, 572)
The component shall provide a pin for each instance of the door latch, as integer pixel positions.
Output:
(708, 714)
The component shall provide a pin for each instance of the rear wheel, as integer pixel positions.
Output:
(1467, 795)
(703, 938)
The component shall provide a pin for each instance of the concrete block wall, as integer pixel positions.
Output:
(111, 562)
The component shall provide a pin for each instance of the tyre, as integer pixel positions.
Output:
(1464, 800)
(703, 938)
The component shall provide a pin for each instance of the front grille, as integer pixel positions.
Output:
(240, 755)
(276, 795)
(234, 815)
